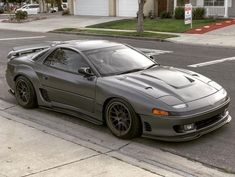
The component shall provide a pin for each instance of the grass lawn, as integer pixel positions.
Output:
(163, 25)
(117, 33)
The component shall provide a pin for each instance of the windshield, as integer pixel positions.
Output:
(118, 60)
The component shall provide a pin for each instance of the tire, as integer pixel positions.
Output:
(25, 93)
(122, 120)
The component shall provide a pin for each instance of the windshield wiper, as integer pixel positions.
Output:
(131, 71)
(151, 66)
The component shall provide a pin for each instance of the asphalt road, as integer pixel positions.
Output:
(215, 149)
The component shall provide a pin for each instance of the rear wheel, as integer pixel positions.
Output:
(25, 93)
(122, 120)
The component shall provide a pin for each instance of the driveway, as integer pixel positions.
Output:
(57, 21)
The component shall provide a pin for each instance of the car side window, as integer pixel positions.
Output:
(34, 6)
(66, 59)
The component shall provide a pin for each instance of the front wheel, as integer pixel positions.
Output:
(25, 93)
(122, 120)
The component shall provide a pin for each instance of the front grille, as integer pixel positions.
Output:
(210, 121)
(202, 123)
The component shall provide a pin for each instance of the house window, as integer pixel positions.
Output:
(213, 2)
(193, 2)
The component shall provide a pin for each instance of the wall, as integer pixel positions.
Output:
(112, 8)
(171, 5)
(231, 10)
(149, 5)
(71, 6)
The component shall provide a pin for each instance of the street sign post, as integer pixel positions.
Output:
(188, 14)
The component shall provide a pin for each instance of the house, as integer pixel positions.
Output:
(121, 8)
(221, 8)
(129, 8)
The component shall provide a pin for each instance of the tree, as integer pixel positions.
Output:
(42, 6)
(59, 4)
(140, 17)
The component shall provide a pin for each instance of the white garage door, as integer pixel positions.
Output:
(127, 8)
(92, 7)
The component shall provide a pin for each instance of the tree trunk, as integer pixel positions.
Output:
(59, 5)
(43, 6)
(140, 16)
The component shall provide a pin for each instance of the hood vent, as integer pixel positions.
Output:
(190, 80)
(148, 88)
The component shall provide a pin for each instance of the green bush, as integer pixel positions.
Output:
(1, 10)
(21, 15)
(179, 13)
(199, 13)
(165, 14)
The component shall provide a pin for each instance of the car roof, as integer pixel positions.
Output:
(85, 45)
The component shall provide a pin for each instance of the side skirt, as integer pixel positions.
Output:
(75, 114)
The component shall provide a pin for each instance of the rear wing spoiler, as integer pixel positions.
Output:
(24, 50)
(16, 53)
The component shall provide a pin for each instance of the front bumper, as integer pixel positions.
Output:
(164, 128)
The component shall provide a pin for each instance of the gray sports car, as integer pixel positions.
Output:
(115, 84)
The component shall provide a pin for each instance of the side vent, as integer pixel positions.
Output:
(45, 95)
(147, 127)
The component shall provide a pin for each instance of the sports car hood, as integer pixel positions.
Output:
(167, 81)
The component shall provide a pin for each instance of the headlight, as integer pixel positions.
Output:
(159, 112)
(180, 106)
(215, 85)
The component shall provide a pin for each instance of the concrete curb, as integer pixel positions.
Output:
(113, 36)
(206, 45)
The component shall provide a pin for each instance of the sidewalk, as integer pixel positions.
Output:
(39, 143)
(27, 151)
(31, 149)
(208, 39)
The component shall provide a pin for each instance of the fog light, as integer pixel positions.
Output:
(189, 127)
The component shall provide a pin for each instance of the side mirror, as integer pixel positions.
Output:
(86, 71)
(151, 57)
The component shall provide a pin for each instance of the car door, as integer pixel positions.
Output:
(62, 82)
(34, 9)
(29, 9)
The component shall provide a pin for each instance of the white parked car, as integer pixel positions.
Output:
(30, 8)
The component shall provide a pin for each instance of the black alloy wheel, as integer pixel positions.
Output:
(25, 93)
(122, 120)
